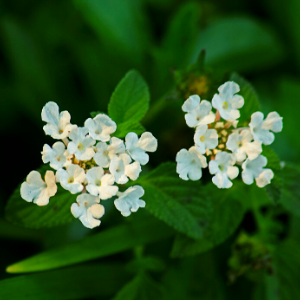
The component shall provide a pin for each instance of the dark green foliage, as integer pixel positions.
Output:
(192, 241)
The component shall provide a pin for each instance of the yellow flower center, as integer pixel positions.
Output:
(239, 144)
(202, 138)
(221, 167)
(61, 131)
(97, 182)
(225, 105)
(71, 180)
(80, 147)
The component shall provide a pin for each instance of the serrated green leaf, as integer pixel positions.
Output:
(142, 287)
(130, 100)
(167, 195)
(290, 198)
(273, 189)
(79, 282)
(108, 242)
(127, 127)
(30, 215)
(249, 94)
(220, 221)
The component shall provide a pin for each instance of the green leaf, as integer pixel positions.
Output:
(107, 242)
(127, 127)
(275, 188)
(30, 215)
(142, 287)
(130, 100)
(220, 221)
(290, 198)
(252, 45)
(81, 282)
(249, 94)
(166, 196)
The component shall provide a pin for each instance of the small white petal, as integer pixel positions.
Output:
(71, 179)
(81, 145)
(226, 102)
(58, 124)
(190, 164)
(223, 167)
(253, 169)
(137, 148)
(88, 210)
(129, 200)
(260, 128)
(101, 127)
(35, 190)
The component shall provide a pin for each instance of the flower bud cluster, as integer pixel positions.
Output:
(219, 139)
(89, 161)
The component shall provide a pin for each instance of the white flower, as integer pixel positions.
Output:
(58, 124)
(260, 127)
(137, 148)
(205, 138)
(241, 145)
(99, 184)
(71, 179)
(58, 156)
(222, 166)
(129, 200)
(254, 169)
(81, 145)
(106, 152)
(122, 168)
(88, 210)
(101, 127)
(190, 164)
(198, 113)
(35, 190)
(226, 102)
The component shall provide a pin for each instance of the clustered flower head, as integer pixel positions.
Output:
(89, 161)
(220, 140)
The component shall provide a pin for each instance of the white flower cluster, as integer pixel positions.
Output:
(89, 161)
(223, 142)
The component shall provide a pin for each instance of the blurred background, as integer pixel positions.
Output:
(75, 53)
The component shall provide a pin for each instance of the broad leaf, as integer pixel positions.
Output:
(80, 282)
(275, 188)
(142, 287)
(127, 127)
(167, 198)
(105, 243)
(220, 221)
(251, 104)
(130, 100)
(290, 198)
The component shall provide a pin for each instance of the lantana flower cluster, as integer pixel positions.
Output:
(89, 161)
(219, 140)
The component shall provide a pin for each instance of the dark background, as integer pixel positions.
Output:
(75, 53)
